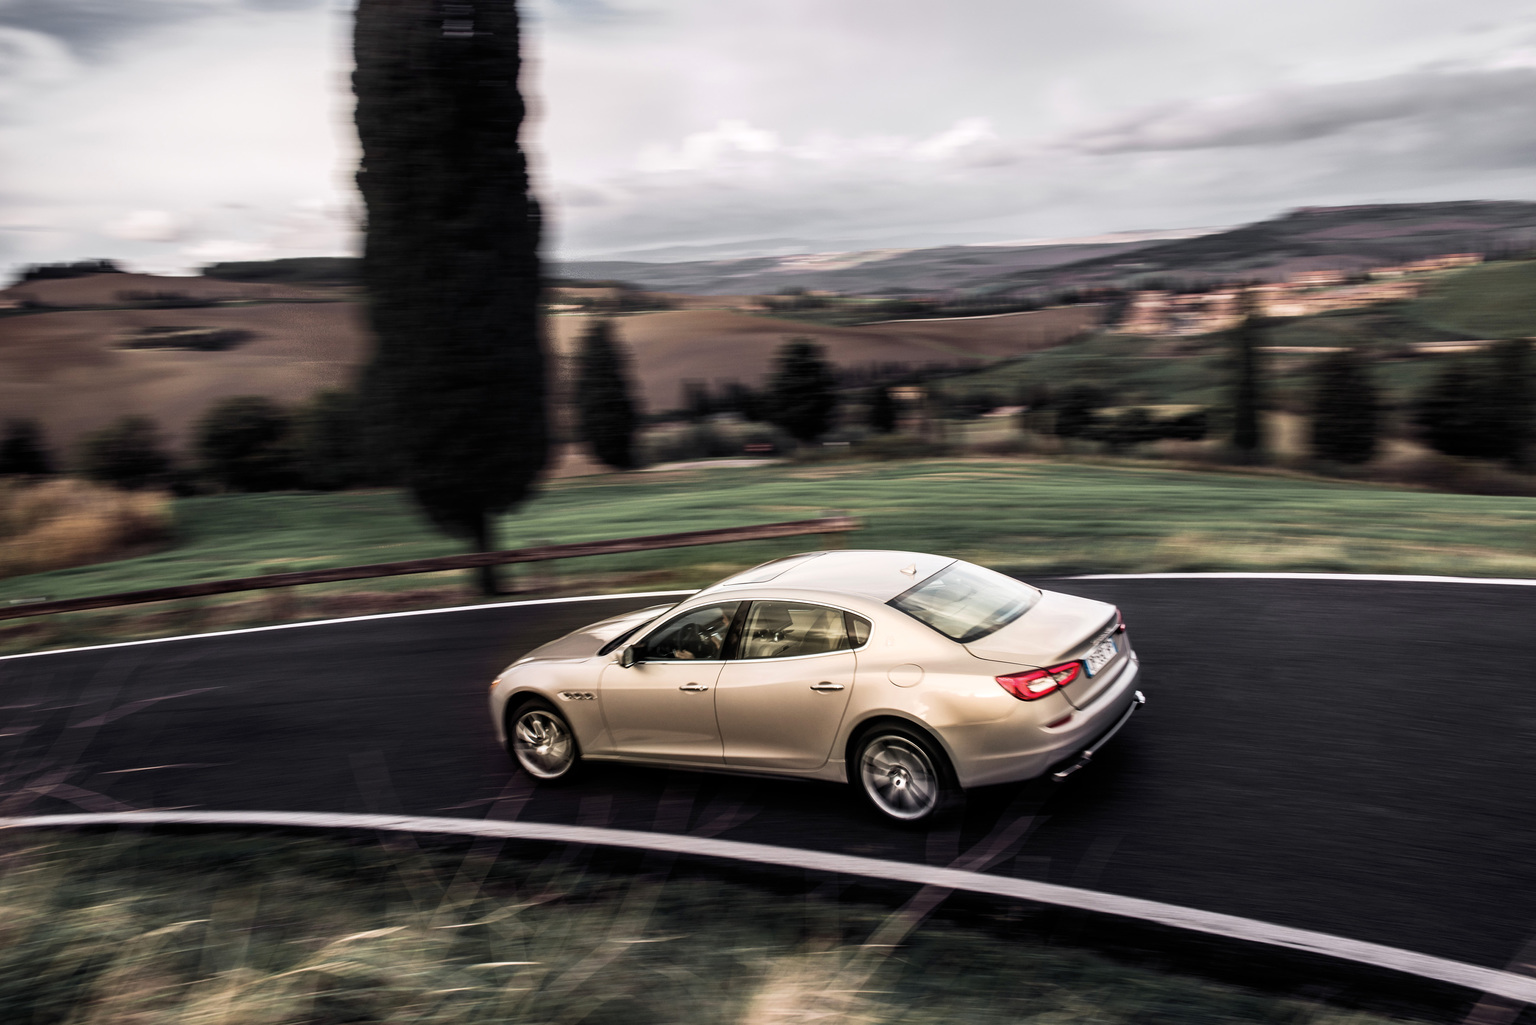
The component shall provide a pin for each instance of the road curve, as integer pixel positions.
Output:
(1350, 757)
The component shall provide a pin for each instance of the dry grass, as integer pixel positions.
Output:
(62, 523)
(201, 929)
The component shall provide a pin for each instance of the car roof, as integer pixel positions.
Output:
(880, 575)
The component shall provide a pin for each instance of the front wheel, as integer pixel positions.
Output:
(903, 777)
(542, 742)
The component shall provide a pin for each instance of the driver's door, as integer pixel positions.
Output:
(663, 706)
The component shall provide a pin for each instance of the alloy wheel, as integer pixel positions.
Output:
(543, 744)
(899, 778)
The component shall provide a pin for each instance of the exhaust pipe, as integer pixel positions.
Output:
(1086, 754)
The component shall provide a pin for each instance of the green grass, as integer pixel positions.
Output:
(1035, 517)
(210, 927)
(1496, 300)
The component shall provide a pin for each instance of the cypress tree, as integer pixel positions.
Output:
(603, 404)
(450, 261)
(882, 410)
(1511, 401)
(801, 390)
(1449, 413)
(23, 452)
(1345, 412)
(1247, 394)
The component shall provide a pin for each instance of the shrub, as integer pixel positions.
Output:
(247, 444)
(23, 452)
(127, 453)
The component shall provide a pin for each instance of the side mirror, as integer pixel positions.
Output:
(627, 656)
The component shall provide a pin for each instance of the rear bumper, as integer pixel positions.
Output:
(1016, 752)
(1083, 757)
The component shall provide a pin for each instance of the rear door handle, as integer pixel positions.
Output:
(693, 687)
(826, 685)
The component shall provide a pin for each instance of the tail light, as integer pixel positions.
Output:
(1119, 622)
(1037, 683)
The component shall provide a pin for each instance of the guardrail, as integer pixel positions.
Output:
(538, 553)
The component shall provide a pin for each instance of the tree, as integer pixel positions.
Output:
(23, 451)
(1345, 411)
(246, 444)
(1247, 384)
(882, 410)
(331, 437)
(696, 401)
(1481, 408)
(1077, 411)
(802, 393)
(603, 404)
(450, 260)
(127, 453)
(1511, 401)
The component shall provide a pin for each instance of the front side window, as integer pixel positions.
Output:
(965, 602)
(696, 634)
(784, 629)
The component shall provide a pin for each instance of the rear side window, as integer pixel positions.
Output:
(965, 602)
(783, 629)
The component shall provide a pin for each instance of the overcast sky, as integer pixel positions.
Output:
(171, 133)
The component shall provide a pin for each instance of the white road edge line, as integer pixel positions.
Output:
(353, 619)
(1386, 578)
(1366, 577)
(1473, 977)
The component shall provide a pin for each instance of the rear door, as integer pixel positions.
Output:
(780, 701)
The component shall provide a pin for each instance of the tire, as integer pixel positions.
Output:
(903, 776)
(542, 742)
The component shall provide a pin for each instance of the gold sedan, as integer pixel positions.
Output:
(912, 676)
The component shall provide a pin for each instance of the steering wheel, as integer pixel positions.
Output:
(690, 638)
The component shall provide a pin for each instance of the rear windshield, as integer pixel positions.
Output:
(965, 602)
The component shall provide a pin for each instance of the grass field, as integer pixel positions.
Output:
(1496, 300)
(196, 928)
(1028, 516)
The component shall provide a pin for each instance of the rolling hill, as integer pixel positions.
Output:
(1350, 238)
(67, 367)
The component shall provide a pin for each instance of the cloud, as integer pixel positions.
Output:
(30, 60)
(147, 226)
(91, 27)
(724, 146)
(1281, 117)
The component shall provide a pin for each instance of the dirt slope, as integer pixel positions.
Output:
(718, 345)
(109, 289)
(64, 368)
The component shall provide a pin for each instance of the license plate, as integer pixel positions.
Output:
(1099, 655)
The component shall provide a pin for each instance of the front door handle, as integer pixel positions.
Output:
(693, 687)
(826, 685)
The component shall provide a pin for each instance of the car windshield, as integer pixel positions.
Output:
(965, 602)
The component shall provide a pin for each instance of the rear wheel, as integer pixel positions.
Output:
(903, 776)
(542, 741)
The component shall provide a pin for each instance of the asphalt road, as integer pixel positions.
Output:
(1351, 757)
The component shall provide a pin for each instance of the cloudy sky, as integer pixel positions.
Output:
(172, 133)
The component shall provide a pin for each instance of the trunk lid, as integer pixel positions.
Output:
(1060, 628)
